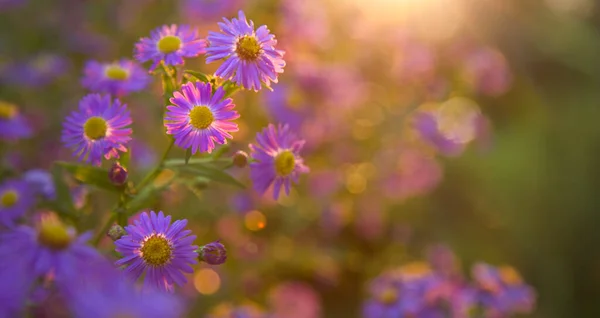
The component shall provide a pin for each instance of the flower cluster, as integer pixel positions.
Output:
(437, 289)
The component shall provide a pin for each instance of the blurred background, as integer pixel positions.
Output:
(519, 185)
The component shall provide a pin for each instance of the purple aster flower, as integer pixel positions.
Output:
(102, 291)
(16, 197)
(197, 119)
(117, 78)
(207, 9)
(51, 247)
(41, 180)
(277, 160)
(169, 44)
(97, 129)
(13, 125)
(15, 287)
(213, 253)
(501, 290)
(161, 250)
(250, 56)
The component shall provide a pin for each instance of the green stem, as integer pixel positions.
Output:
(152, 174)
(104, 229)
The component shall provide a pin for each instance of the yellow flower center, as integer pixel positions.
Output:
(248, 48)
(9, 198)
(54, 235)
(156, 250)
(509, 275)
(388, 296)
(285, 163)
(7, 111)
(115, 72)
(201, 117)
(95, 128)
(169, 44)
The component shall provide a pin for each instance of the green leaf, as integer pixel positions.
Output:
(214, 175)
(230, 88)
(174, 163)
(90, 175)
(199, 75)
(63, 204)
(188, 155)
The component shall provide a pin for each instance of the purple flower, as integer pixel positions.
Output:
(102, 291)
(287, 105)
(97, 129)
(197, 119)
(41, 180)
(207, 9)
(36, 71)
(487, 71)
(161, 250)
(169, 44)
(501, 290)
(15, 287)
(277, 160)
(13, 125)
(49, 248)
(250, 56)
(118, 78)
(451, 126)
(16, 197)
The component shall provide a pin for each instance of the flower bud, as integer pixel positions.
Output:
(213, 253)
(116, 231)
(240, 159)
(117, 174)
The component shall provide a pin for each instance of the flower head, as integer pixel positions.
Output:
(41, 181)
(160, 249)
(250, 55)
(197, 119)
(213, 253)
(277, 159)
(117, 78)
(102, 291)
(98, 129)
(13, 125)
(50, 247)
(16, 197)
(169, 44)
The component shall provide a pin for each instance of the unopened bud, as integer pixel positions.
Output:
(116, 231)
(117, 174)
(213, 253)
(240, 159)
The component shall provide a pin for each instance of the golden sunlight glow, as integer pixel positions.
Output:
(207, 281)
(432, 19)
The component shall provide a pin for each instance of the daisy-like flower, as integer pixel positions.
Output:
(51, 247)
(12, 125)
(16, 198)
(197, 119)
(117, 78)
(98, 129)
(277, 160)
(250, 55)
(169, 44)
(160, 249)
(103, 292)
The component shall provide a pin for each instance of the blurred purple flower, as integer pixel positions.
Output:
(142, 155)
(294, 15)
(160, 249)
(41, 181)
(487, 71)
(102, 291)
(250, 56)
(228, 310)
(37, 71)
(16, 284)
(501, 290)
(417, 173)
(50, 248)
(13, 126)
(16, 198)
(294, 300)
(118, 78)
(197, 119)
(202, 10)
(286, 106)
(98, 128)
(169, 44)
(277, 160)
